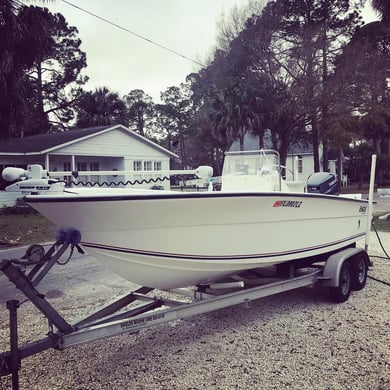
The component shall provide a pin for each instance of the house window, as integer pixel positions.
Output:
(137, 165)
(81, 166)
(300, 164)
(94, 166)
(157, 166)
(147, 165)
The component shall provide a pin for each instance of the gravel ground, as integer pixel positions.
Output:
(296, 340)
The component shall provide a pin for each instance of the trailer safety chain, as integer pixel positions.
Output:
(66, 261)
(387, 257)
(380, 241)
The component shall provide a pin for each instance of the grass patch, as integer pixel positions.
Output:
(23, 226)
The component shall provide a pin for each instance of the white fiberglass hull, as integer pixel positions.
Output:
(167, 239)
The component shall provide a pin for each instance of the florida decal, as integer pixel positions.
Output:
(287, 203)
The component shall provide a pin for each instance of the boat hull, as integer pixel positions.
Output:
(167, 239)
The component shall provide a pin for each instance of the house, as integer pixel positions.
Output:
(103, 148)
(333, 158)
(303, 154)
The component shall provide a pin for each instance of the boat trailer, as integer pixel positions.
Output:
(341, 271)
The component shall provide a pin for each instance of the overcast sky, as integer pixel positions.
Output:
(122, 62)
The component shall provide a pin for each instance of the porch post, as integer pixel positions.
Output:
(73, 168)
(47, 162)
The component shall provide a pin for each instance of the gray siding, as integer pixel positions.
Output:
(113, 143)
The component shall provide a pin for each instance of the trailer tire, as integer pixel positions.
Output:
(359, 269)
(343, 290)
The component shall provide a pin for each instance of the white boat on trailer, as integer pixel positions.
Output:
(169, 239)
(343, 268)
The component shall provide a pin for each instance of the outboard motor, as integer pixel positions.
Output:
(322, 183)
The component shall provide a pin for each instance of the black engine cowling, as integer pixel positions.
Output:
(322, 183)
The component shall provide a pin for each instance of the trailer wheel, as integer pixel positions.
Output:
(342, 291)
(358, 272)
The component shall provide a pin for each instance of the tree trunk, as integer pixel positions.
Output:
(340, 168)
(315, 142)
(42, 124)
(325, 159)
(183, 150)
(324, 108)
(274, 140)
(242, 138)
(283, 158)
(379, 170)
(261, 139)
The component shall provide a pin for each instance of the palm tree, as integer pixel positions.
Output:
(101, 107)
(140, 109)
(232, 113)
(382, 7)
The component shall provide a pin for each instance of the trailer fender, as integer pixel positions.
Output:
(331, 272)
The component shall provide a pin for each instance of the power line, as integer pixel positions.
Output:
(133, 33)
